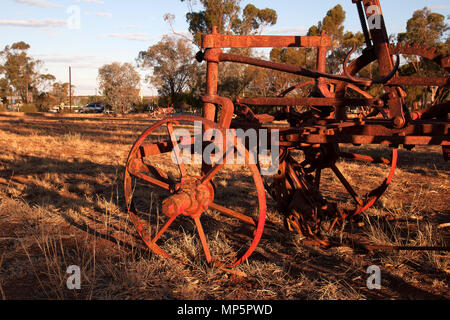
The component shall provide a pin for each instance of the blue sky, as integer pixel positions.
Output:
(116, 30)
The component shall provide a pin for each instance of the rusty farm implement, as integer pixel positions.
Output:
(162, 188)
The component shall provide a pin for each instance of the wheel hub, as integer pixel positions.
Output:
(192, 199)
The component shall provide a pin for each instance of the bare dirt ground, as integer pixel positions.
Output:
(62, 204)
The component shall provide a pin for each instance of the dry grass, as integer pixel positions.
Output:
(61, 204)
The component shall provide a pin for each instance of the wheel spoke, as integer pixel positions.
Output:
(139, 170)
(159, 174)
(202, 236)
(145, 236)
(378, 192)
(221, 163)
(176, 149)
(153, 149)
(164, 229)
(346, 184)
(232, 214)
(144, 176)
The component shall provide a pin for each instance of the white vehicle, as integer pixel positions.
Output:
(55, 109)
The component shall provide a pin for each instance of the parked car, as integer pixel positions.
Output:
(55, 109)
(92, 108)
(108, 109)
(131, 111)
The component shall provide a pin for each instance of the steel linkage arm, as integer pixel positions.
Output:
(216, 56)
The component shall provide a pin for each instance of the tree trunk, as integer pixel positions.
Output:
(173, 97)
(434, 91)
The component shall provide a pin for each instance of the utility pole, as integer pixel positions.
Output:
(26, 93)
(70, 88)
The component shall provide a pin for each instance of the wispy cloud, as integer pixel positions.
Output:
(128, 27)
(46, 23)
(99, 14)
(81, 62)
(39, 3)
(438, 7)
(131, 36)
(104, 14)
(92, 1)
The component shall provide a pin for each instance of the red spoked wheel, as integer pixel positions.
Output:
(174, 198)
(330, 180)
(324, 182)
(358, 192)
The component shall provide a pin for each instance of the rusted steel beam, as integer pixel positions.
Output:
(364, 26)
(381, 47)
(313, 139)
(437, 133)
(439, 110)
(228, 57)
(383, 128)
(227, 109)
(379, 36)
(212, 80)
(233, 41)
(428, 53)
(322, 56)
(419, 81)
(309, 102)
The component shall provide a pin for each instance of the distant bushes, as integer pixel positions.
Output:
(66, 110)
(28, 108)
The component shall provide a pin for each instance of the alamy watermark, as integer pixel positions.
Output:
(374, 17)
(74, 19)
(74, 280)
(374, 280)
(230, 148)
